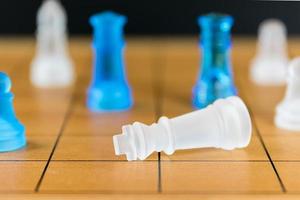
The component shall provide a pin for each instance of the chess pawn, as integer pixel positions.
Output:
(109, 89)
(269, 67)
(215, 77)
(288, 111)
(225, 124)
(52, 66)
(12, 133)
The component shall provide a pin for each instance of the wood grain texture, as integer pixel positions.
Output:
(70, 152)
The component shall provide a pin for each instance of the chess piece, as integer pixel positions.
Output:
(288, 111)
(109, 90)
(225, 124)
(269, 67)
(12, 133)
(215, 78)
(52, 66)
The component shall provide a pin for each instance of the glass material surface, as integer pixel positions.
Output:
(215, 77)
(12, 132)
(109, 89)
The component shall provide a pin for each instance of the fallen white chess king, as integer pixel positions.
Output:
(225, 124)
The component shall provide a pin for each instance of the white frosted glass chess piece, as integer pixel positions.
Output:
(288, 111)
(52, 66)
(225, 124)
(269, 67)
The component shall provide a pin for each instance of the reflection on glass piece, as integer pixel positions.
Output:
(109, 89)
(12, 132)
(215, 77)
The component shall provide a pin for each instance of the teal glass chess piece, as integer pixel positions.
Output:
(215, 79)
(12, 132)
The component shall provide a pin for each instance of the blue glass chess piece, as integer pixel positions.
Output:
(109, 89)
(215, 77)
(12, 132)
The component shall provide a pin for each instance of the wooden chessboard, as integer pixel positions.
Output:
(70, 151)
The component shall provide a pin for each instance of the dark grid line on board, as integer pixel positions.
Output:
(64, 123)
(158, 72)
(129, 192)
(283, 188)
(189, 161)
(268, 154)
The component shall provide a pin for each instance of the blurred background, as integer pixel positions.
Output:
(155, 17)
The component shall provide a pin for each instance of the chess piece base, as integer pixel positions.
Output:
(12, 139)
(109, 96)
(205, 94)
(288, 116)
(269, 72)
(51, 72)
